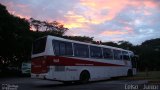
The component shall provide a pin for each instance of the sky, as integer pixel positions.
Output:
(106, 20)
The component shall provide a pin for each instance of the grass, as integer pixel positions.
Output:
(151, 76)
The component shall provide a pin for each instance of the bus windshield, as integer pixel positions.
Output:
(39, 45)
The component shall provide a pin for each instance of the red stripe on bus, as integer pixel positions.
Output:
(40, 64)
(68, 61)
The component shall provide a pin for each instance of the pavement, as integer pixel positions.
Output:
(27, 83)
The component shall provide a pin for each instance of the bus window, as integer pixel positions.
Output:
(81, 50)
(39, 45)
(107, 53)
(95, 52)
(117, 55)
(125, 55)
(62, 48)
(56, 47)
(69, 50)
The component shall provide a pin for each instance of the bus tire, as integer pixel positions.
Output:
(67, 82)
(84, 76)
(130, 73)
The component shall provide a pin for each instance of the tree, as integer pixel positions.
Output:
(14, 38)
(80, 38)
(125, 45)
(149, 54)
(36, 24)
(54, 27)
(110, 44)
(16, 41)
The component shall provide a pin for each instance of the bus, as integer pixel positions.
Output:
(59, 59)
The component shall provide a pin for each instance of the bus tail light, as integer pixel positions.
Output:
(40, 65)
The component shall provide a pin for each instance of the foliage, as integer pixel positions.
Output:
(16, 41)
(14, 37)
(54, 27)
(110, 44)
(80, 38)
(150, 54)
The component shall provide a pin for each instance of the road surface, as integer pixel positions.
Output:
(27, 83)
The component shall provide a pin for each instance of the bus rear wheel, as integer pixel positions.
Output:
(84, 76)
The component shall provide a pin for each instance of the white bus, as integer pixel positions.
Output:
(60, 59)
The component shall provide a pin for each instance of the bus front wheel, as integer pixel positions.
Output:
(67, 82)
(84, 76)
(130, 73)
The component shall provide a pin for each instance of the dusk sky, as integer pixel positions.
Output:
(106, 20)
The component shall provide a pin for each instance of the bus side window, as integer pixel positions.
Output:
(62, 48)
(81, 50)
(95, 52)
(107, 53)
(69, 50)
(117, 55)
(125, 55)
(56, 47)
